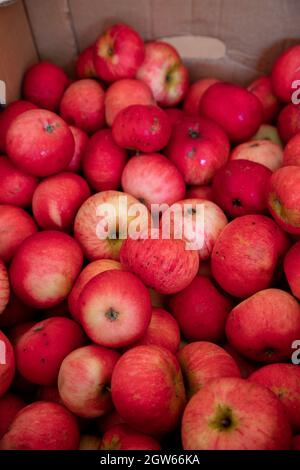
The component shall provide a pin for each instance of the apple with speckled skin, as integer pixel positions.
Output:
(203, 361)
(84, 380)
(42, 348)
(207, 309)
(237, 110)
(123, 437)
(124, 93)
(230, 413)
(284, 381)
(7, 369)
(263, 327)
(118, 53)
(246, 254)
(103, 161)
(198, 147)
(284, 198)
(145, 128)
(147, 389)
(98, 232)
(115, 308)
(45, 268)
(82, 105)
(164, 72)
(40, 143)
(265, 152)
(153, 179)
(42, 426)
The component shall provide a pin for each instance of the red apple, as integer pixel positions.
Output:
(44, 268)
(246, 254)
(145, 128)
(89, 442)
(118, 53)
(239, 188)
(7, 116)
(265, 152)
(82, 105)
(268, 132)
(153, 179)
(124, 93)
(85, 67)
(10, 405)
(198, 222)
(163, 331)
(201, 362)
(285, 72)
(84, 380)
(148, 390)
(103, 161)
(42, 426)
(108, 421)
(262, 89)
(198, 147)
(201, 310)
(7, 364)
(164, 72)
(194, 95)
(15, 226)
(57, 199)
(42, 348)
(264, 326)
(40, 143)
(4, 287)
(291, 153)
(200, 192)
(230, 413)
(18, 331)
(92, 220)
(284, 198)
(234, 108)
(284, 381)
(174, 115)
(81, 139)
(288, 123)
(162, 264)
(292, 269)
(17, 188)
(114, 309)
(44, 84)
(90, 271)
(123, 437)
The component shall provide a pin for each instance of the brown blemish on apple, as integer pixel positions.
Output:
(193, 133)
(112, 314)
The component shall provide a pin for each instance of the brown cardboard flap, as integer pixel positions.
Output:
(17, 47)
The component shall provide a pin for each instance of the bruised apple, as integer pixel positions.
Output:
(42, 348)
(145, 128)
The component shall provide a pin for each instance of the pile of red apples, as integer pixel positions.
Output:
(141, 343)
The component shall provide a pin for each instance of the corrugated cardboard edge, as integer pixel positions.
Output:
(17, 48)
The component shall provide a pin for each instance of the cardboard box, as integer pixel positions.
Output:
(231, 39)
